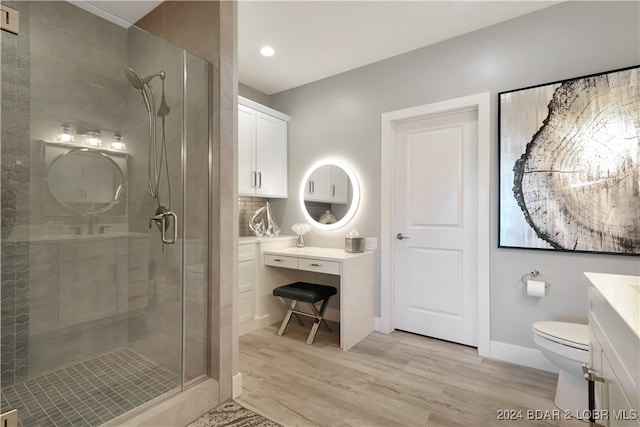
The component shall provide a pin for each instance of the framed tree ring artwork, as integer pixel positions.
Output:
(570, 164)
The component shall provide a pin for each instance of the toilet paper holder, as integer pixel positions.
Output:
(526, 276)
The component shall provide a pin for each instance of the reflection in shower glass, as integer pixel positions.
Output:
(94, 305)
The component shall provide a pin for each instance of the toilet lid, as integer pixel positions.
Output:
(572, 334)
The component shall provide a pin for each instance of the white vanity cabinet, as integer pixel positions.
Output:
(257, 307)
(262, 150)
(614, 333)
(355, 274)
(328, 184)
(246, 286)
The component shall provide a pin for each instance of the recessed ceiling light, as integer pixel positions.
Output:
(267, 51)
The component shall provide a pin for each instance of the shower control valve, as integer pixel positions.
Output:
(157, 218)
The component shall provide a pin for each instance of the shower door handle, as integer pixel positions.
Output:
(161, 219)
(164, 228)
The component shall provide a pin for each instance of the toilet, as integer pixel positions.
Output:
(566, 345)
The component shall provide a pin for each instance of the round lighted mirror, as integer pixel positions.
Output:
(329, 194)
(86, 181)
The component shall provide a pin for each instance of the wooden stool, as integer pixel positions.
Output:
(305, 292)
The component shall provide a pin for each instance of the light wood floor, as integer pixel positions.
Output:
(398, 379)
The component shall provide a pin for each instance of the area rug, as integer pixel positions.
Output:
(231, 414)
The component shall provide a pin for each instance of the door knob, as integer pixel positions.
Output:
(401, 236)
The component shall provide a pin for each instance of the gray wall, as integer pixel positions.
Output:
(72, 82)
(340, 116)
(253, 94)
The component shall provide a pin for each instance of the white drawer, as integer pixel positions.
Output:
(281, 261)
(246, 252)
(318, 265)
(246, 306)
(246, 276)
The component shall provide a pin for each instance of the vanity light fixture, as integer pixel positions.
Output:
(267, 51)
(93, 139)
(118, 143)
(65, 135)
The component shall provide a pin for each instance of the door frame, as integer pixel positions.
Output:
(482, 103)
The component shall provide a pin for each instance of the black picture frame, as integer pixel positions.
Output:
(569, 164)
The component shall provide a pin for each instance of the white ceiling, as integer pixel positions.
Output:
(120, 12)
(317, 39)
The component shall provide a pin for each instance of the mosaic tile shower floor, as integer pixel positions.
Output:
(89, 393)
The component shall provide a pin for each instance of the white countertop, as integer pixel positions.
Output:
(622, 293)
(254, 239)
(329, 254)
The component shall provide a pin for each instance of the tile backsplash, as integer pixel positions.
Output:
(246, 208)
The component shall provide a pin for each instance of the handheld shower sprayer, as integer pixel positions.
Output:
(157, 150)
(139, 82)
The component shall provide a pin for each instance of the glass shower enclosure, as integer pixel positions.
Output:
(104, 194)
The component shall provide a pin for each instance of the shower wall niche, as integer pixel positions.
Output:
(87, 290)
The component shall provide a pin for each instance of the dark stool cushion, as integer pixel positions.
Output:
(305, 292)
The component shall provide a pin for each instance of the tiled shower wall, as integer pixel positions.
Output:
(14, 198)
(246, 208)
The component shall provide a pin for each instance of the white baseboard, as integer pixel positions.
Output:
(236, 385)
(379, 326)
(268, 319)
(525, 356)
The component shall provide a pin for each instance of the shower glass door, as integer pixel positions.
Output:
(105, 135)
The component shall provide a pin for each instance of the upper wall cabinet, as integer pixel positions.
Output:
(327, 184)
(262, 150)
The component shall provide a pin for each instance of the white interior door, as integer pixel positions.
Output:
(435, 292)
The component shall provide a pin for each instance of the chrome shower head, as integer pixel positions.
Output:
(134, 78)
(138, 82)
